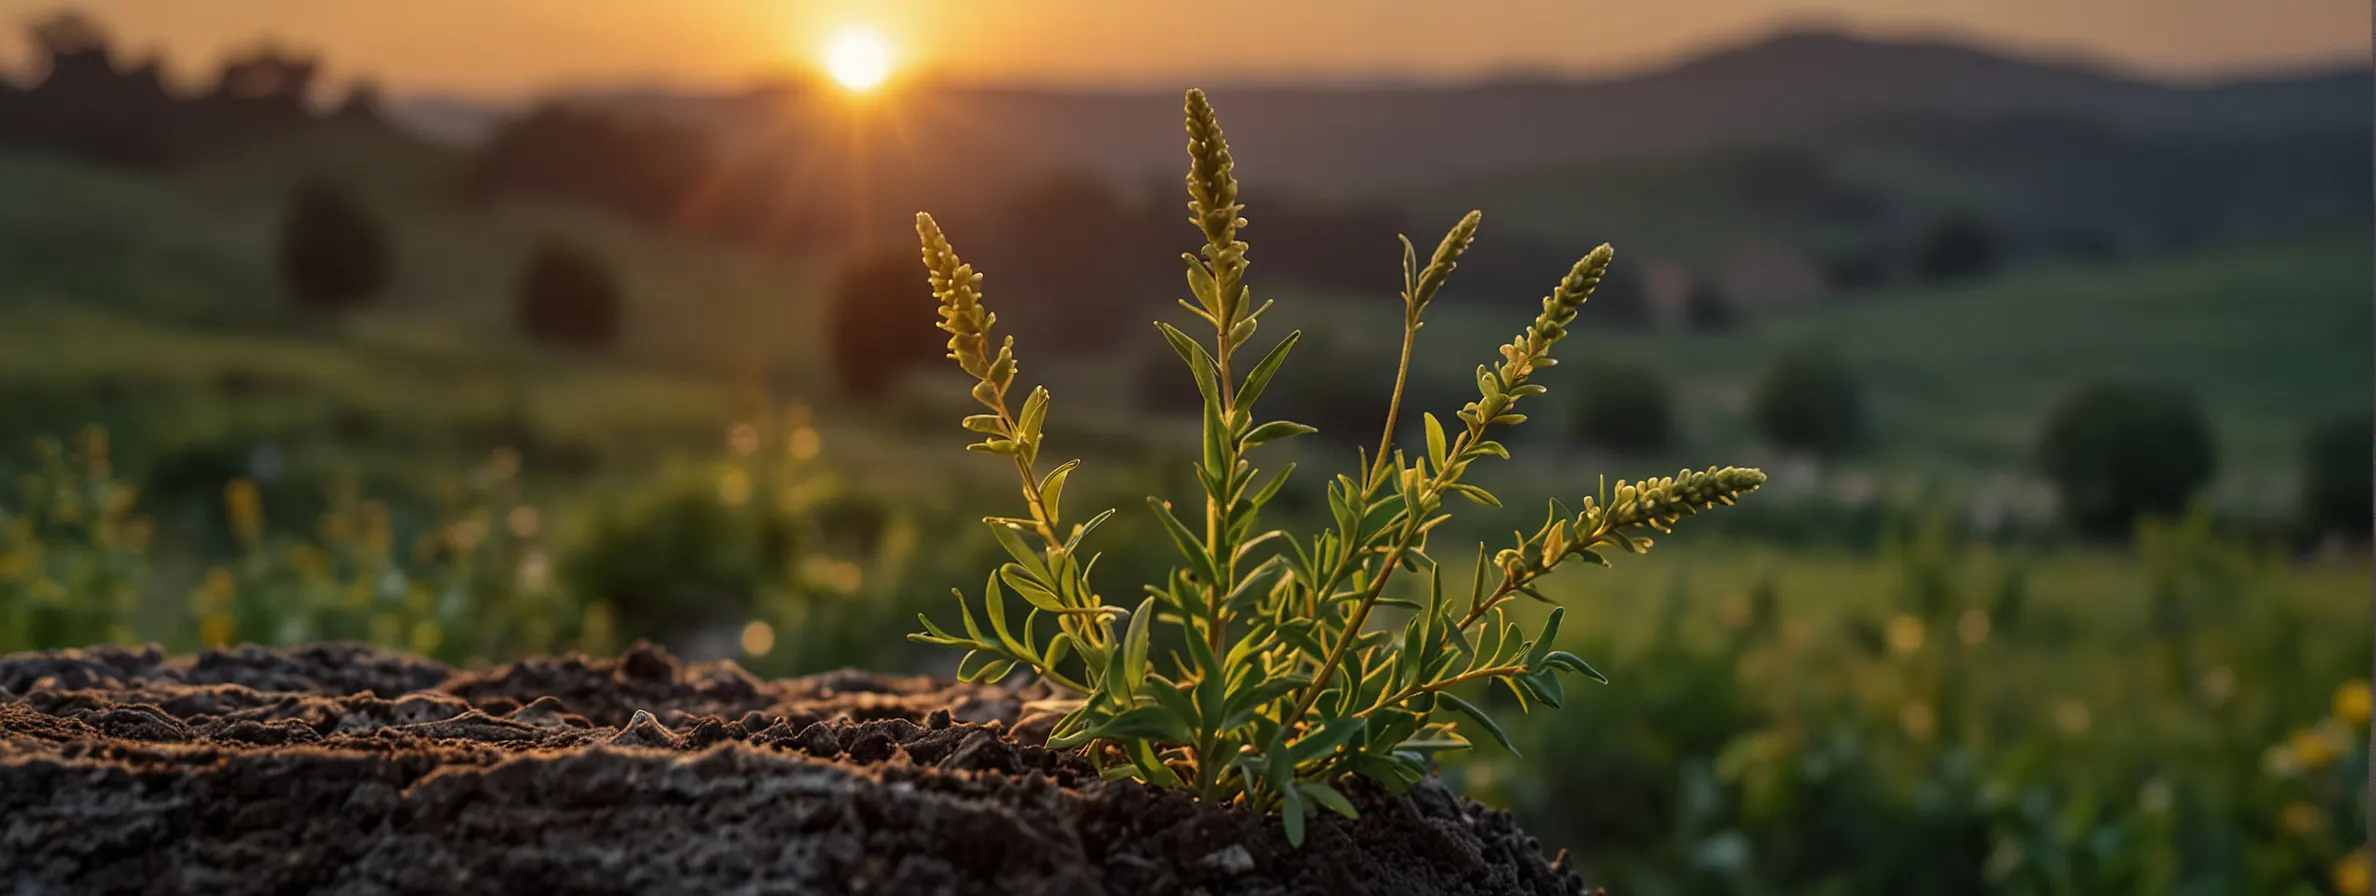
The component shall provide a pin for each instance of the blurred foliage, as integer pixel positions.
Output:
(876, 331)
(1707, 307)
(569, 296)
(2339, 476)
(1810, 401)
(1957, 246)
(1624, 407)
(1945, 716)
(2117, 451)
(1945, 738)
(333, 253)
(760, 554)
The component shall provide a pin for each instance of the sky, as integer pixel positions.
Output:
(517, 47)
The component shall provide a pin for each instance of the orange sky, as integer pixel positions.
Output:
(512, 46)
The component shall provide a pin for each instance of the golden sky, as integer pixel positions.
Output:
(515, 46)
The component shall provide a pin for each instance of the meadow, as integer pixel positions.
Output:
(1872, 683)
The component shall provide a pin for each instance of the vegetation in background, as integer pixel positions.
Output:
(568, 296)
(1625, 407)
(132, 300)
(333, 254)
(1706, 307)
(2118, 451)
(1921, 723)
(1282, 686)
(873, 334)
(2337, 482)
(1956, 246)
(1810, 401)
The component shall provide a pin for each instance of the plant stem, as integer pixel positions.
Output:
(1402, 373)
(1224, 556)
(1361, 611)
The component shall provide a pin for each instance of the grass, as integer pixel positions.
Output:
(2270, 336)
(168, 282)
(149, 303)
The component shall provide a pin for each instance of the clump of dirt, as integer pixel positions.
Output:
(341, 767)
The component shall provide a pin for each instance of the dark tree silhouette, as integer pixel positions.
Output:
(1624, 407)
(1706, 307)
(2118, 451)
(1957, 246)
(84, 105)
(882, 323)
(646, 170)
(362, 105)
(1809, 402)
(333, 253)
(569, 297)
(2337, 478)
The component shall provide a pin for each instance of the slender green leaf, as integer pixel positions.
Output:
(1199, 362)
(1276, 430)
(1484, 721)
(1435, 441)
(1325, 795)
(1134, 648)
(1260, 377)
(1151, 722)
(1190, 546)
(1561, 659)
(1038, 595)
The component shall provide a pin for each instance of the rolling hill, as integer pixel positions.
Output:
(1346, 139)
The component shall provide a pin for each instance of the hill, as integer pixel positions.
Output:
(1343, 139)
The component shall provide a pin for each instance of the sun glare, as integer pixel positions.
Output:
(858, 58)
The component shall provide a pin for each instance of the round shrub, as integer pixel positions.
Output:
(1625, 408)
(2117, 451)
(1706, 307)
(882, 323)
(333, 254)
(683, 555)
(1809, 402)
(1955, 247)
(569, 297)
(2336, 477)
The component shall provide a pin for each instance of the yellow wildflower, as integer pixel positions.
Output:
(2352, 702)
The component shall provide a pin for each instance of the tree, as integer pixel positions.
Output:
(1809, 402)
(333, 253)
(1957, 246)
(880, 323)
(2117, 451)
(1706, 307)
(1625, 408)
(2336, 477)
(646, 169)
(569, 297)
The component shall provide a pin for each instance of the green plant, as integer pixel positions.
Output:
(1276, 686)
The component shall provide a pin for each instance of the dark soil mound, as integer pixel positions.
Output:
(344, 768)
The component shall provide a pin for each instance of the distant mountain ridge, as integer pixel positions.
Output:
(1339, 139)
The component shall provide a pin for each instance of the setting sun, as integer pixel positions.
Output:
(859, 58)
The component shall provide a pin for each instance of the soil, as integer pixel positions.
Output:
(341, 767)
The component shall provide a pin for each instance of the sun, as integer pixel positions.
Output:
(858, 58)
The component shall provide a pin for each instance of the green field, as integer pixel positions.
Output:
(1823, 719)
(158, 287)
